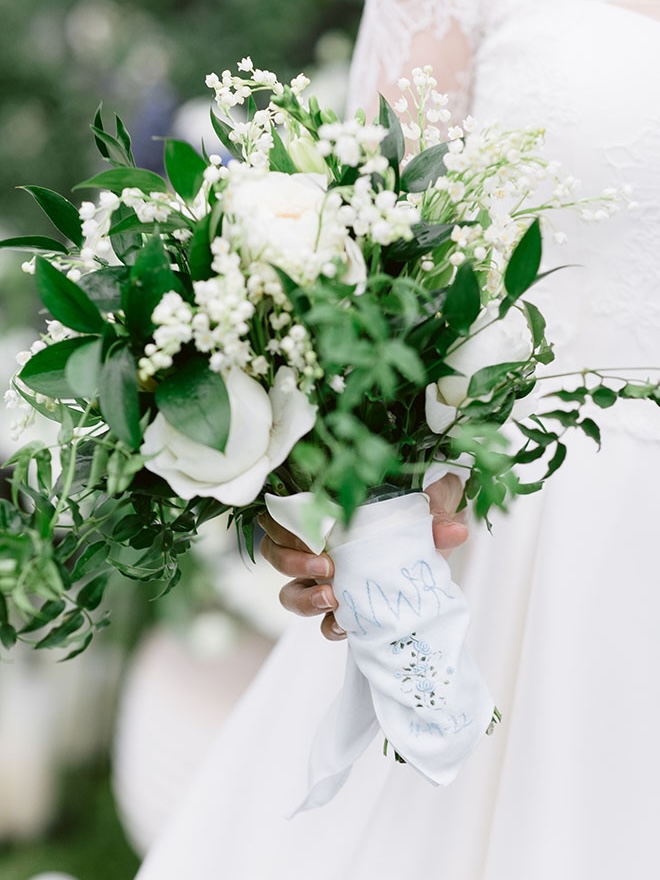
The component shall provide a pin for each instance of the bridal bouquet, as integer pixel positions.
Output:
(320, 315)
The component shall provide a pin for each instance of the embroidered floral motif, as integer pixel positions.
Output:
(419, 677)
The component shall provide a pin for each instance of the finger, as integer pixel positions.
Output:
(279, 534)
(296, 563)
(447, 535)
(331, 629)
(307, 598)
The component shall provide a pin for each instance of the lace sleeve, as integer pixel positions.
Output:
(397, 35)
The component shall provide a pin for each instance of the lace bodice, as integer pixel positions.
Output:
(588, 71)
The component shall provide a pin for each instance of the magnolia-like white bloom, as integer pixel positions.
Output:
(491, 341)
(290, 221)
(264, 427)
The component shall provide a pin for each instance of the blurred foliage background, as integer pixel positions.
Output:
(145, 60)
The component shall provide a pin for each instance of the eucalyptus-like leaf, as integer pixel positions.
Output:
(185, 168)
(45, 372)
(62, 214)
(66, 301)
(117, 179)
(118, 396)
(194, 400)
(424, 169)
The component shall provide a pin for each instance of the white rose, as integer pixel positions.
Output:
(286, 220)
(264, 427)
(503, 341)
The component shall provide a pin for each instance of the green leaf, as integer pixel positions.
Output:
(125, 244)
(83, 368)
(591, 429)
(406, 361)
(536, 322)
(199, 253)
(114, 149)
(195, 401)
(124, 139)
(82, 646)
(34, 243)
(524, 264)
(66, 301)
(7, 635)
(132, 223)
(91, 559)
(278, 156)
(604, 397)
(151, 277)
(48, 611)
(91, 595)
(556, 461)
(393, 145)
(185, 168)
(104, 286)
(63, 215)
(426, 237)
(223, 130)
(117, 179)
(463, 302)
(97, 125)
(118, 396)
(45, 372)
(58, 636)
(484, 380)
(424, 169)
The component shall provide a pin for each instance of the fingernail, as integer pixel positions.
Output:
(319, 566)
(321, 600)
(337, 630)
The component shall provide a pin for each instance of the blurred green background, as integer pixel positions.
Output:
(143, 59)
(146, 60)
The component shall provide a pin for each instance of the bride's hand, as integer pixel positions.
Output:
(310, 594)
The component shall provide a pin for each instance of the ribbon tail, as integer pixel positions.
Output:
(342, 737)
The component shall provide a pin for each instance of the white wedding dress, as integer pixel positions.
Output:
(565, 594)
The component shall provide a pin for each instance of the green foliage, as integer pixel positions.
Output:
(195, 401)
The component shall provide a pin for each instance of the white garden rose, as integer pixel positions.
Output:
(492, 341)
(290, 221)
(264, 427)
(503, 341)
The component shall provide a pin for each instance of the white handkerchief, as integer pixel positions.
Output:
(408, 670)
